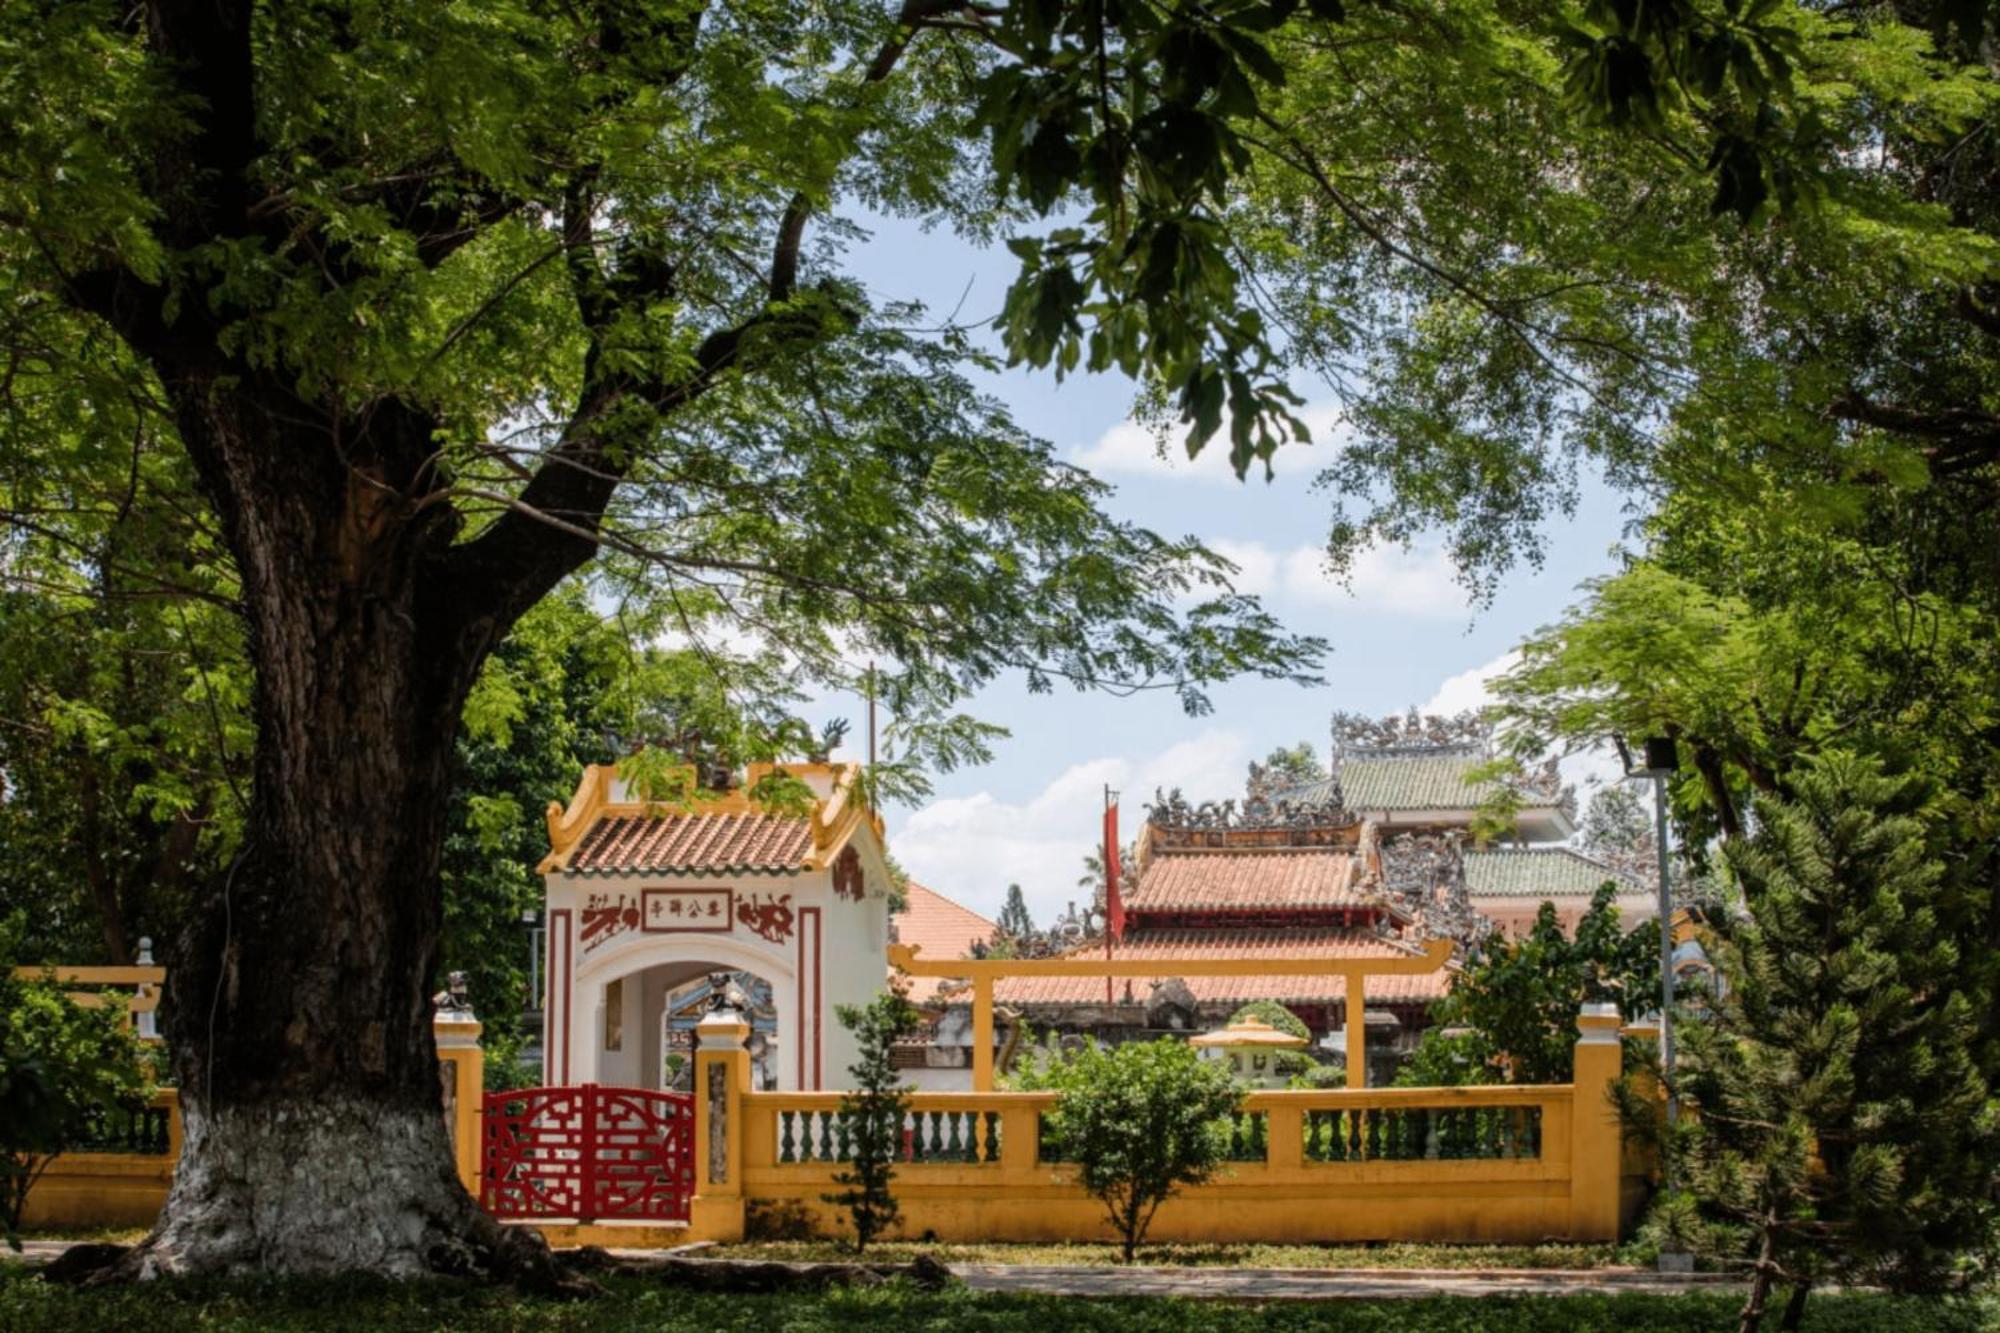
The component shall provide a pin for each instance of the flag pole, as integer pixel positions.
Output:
(1111, 868)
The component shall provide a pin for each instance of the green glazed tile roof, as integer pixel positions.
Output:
(1536, 872)
(1413, 782)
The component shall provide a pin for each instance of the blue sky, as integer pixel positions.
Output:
(1404, 634)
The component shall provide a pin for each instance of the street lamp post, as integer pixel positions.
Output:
(1661, 764)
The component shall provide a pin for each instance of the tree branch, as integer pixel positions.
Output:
(204, 178)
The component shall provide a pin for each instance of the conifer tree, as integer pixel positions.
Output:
(1840, 1126)
(872, 1114)
(1015, 921)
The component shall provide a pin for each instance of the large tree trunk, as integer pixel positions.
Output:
(298, 1004)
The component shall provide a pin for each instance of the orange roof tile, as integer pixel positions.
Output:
(1170, 944)
(693, 844)
(1247, 878)
(940, 928)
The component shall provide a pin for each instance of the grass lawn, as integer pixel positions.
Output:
(1204, 1256)
(30, 1306)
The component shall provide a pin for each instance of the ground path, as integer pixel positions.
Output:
(1240, 1284)
(1299, 1284)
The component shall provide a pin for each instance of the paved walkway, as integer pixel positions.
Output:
(1318, 1284)
(1290, 1284)
(1239, 1284)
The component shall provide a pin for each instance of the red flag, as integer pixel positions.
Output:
(1114, 907)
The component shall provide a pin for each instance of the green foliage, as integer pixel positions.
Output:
(1510, 1015)
(1016, 922)
(1140, 1121)
(1450, 1058)
(632, 1304)
(1294, 767)
(872, 1113)
(1275, 1014)
(1838, 1110)
(1497, 329)
(59, 1063)
(1319, 1078)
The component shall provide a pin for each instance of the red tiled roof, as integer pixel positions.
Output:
(940, 928)
(1243, 879)
(1170, 944)
(693, 844)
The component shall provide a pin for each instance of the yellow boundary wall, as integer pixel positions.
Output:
(1574, 1188)
(102, 1189)
(107, 1189)
(1580, 1185)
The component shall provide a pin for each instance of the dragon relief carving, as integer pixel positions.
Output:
(769, 914)
(848, 881)
(1411, 732)
(606, 916)
(1423, 878)
(1172, 811)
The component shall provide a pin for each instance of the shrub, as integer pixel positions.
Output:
(59, 1064)
(1140, 1122)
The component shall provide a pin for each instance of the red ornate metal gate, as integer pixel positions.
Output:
(587, 1153)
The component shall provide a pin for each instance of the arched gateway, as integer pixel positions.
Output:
(644, 901)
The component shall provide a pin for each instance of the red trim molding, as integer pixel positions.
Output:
(810, 986)
(555, 1039)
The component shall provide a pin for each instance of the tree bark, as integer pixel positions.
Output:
(1795, 1307)
(1751, 1317)
(298, 1007)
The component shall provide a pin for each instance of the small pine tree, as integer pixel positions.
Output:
(1839, 1120)
(1015, 922)
(872, 1113)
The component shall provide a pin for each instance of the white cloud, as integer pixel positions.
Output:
(1383, 580)
(1388, 579)
(1257, 565)
(1471, 689)
(1131, 449)
(970, 848)
(1585, 770)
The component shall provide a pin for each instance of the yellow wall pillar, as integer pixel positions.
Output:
(462, 1070)
(1596, 1142)
(982, 1034)
(1356, 985)
(1020, 1139)
(1285, 1141)
(721, 1077)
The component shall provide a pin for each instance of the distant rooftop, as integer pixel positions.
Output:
(1174, 944)
(1538, 872)
(940, 928)
(1182, 879)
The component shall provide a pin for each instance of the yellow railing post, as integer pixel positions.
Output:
(721, 1078)
(1356, 996)
(462, 1068)
(1285, 1136)
(982, 1034)
(176, 1129)
(1596, 1144)
(1020, 1135)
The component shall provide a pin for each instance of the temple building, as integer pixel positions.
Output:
(1378, 856)
(650, 905)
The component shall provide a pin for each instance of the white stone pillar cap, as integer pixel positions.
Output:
(721, 1023)
(1600, 1024)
